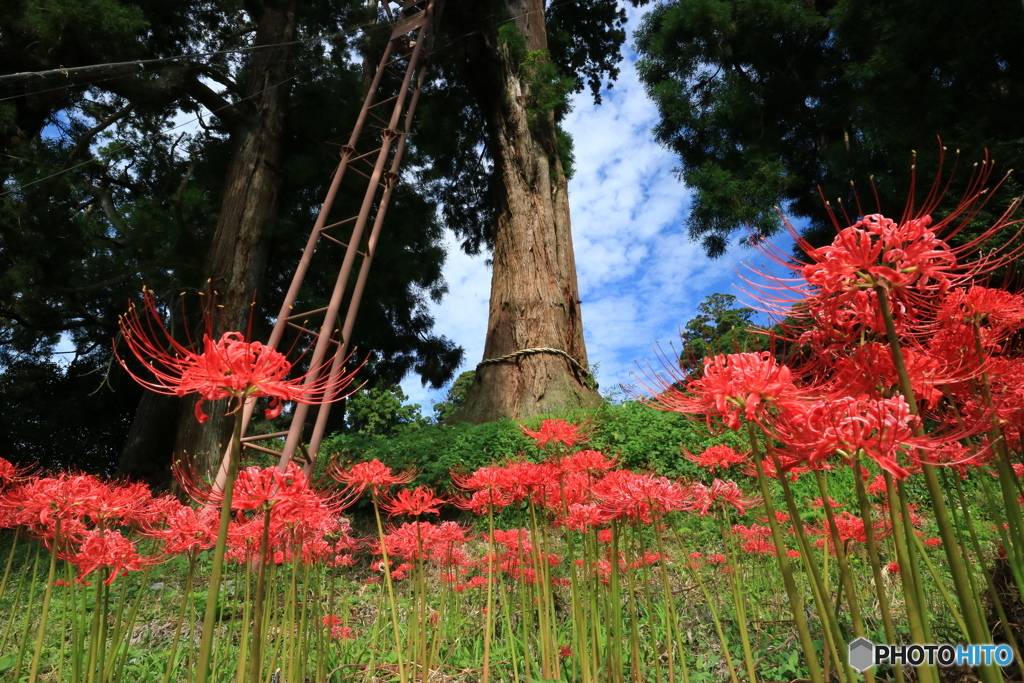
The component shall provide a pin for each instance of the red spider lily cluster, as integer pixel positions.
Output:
(839, 396)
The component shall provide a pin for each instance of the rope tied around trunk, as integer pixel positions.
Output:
(537, 349)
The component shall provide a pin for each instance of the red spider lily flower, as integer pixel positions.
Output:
(728, 492)
(877, 250)
(881, 429)
(912, 261)
(638, 497)
(10, 473)
(739, 385)
(869, 369)
(228, 367)
(338, 630)
(648, 559)
(580, 517)
(373, 475)
(893, 567)
(877, 486)
(265, 487)
(720, 456)
(821, 503)
(420, 501)
(558, 431)
(976, 305)
(933, 542)
(851, 528)
(565, 651)
(108, 549)
(792, 468)
(756, 539)
(411, 541)
(492, 488)
(587, 462)
(39, 503)
(483, 501)
(182, 529)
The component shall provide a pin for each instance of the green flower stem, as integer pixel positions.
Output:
(77, 627)
(549, 664)
(635, 664)
(726, 654)
(986, 572)
(62, 655)
(255, 654)
(485, 678)
(845, 575)
(795, 601)
(579, 621)
(29, 609)
(506, 612)
(244, 636)
(914, 573)
(181, 617)
(117, 669)
(289, 620)
(51, 578)
(15, 609)
(911, 594)
(303, 659)
(978, 632)
(594, 592)
(996, 512)
(390, 589)
(946, 598)
(670, 611)
(203, 668)
(818, 579)
(102, 612)
(876, 565)
(615, 609)
(647, 594)
(1008, 482)
(738, 597)
(10, 561)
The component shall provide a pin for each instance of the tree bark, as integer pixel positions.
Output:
(238, 253)
(534, 293)
(250, 203)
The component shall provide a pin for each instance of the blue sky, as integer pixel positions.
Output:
(640, 277)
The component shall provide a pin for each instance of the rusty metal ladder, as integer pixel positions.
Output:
(375, 165)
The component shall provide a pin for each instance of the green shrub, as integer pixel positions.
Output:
(642, 438)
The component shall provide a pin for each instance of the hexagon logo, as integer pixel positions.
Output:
(862, 655)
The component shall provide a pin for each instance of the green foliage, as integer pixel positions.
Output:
(456, 397)
(763, 102)
(650, 440)
(381, 412)
(100, 193)
(510, 38)
(433, 450)
(720, 327)
(642, 438)
(566, 152)
(548, 88)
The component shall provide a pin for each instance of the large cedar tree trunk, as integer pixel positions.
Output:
(534, 294)
(237, 257)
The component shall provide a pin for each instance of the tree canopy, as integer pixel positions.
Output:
(765, 100)
(112, 169)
